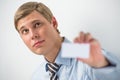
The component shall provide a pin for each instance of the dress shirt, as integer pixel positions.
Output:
(72, 69)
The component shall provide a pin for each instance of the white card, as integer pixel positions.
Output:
(75, 50)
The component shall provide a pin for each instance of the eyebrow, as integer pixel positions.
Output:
(35, 21)
(21, 28)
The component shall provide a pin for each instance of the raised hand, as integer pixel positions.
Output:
(96, 58)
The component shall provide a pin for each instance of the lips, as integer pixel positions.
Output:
(38, 43)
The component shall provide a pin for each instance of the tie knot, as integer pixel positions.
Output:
(53, 67)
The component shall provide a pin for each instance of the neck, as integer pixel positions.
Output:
(54, 52)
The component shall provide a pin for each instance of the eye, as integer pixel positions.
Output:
(24, 31)
(38, 24)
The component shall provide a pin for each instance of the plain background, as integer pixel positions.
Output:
(99, 17)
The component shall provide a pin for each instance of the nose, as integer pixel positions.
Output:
(34, 34)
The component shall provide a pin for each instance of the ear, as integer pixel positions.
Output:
(54, 22)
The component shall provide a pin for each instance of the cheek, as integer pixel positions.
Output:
(44, 32)
(26, 40)
(49, 32)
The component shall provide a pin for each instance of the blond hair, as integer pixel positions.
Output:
(29, 7)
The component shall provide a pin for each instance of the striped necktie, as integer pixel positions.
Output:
(53, 68)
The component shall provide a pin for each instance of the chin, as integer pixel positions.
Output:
(37, 52)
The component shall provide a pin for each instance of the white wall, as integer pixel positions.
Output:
(100, 17)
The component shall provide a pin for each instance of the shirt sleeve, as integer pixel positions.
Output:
(111, 72)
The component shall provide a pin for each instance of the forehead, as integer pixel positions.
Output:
(29, 19)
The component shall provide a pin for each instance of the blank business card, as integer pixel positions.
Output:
(75, 50)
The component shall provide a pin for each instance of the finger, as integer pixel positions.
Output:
(88, 37)
(82, 37)
(76, 40)
(95, 44)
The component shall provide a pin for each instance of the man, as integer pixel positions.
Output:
(38, 28)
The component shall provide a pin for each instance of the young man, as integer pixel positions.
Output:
(38, 28)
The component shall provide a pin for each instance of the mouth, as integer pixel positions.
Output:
(38, 43)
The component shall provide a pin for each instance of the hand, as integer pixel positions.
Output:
(96, 58)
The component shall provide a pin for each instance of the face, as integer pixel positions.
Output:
(38, 34)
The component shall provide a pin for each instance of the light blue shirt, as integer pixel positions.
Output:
(72, 69)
